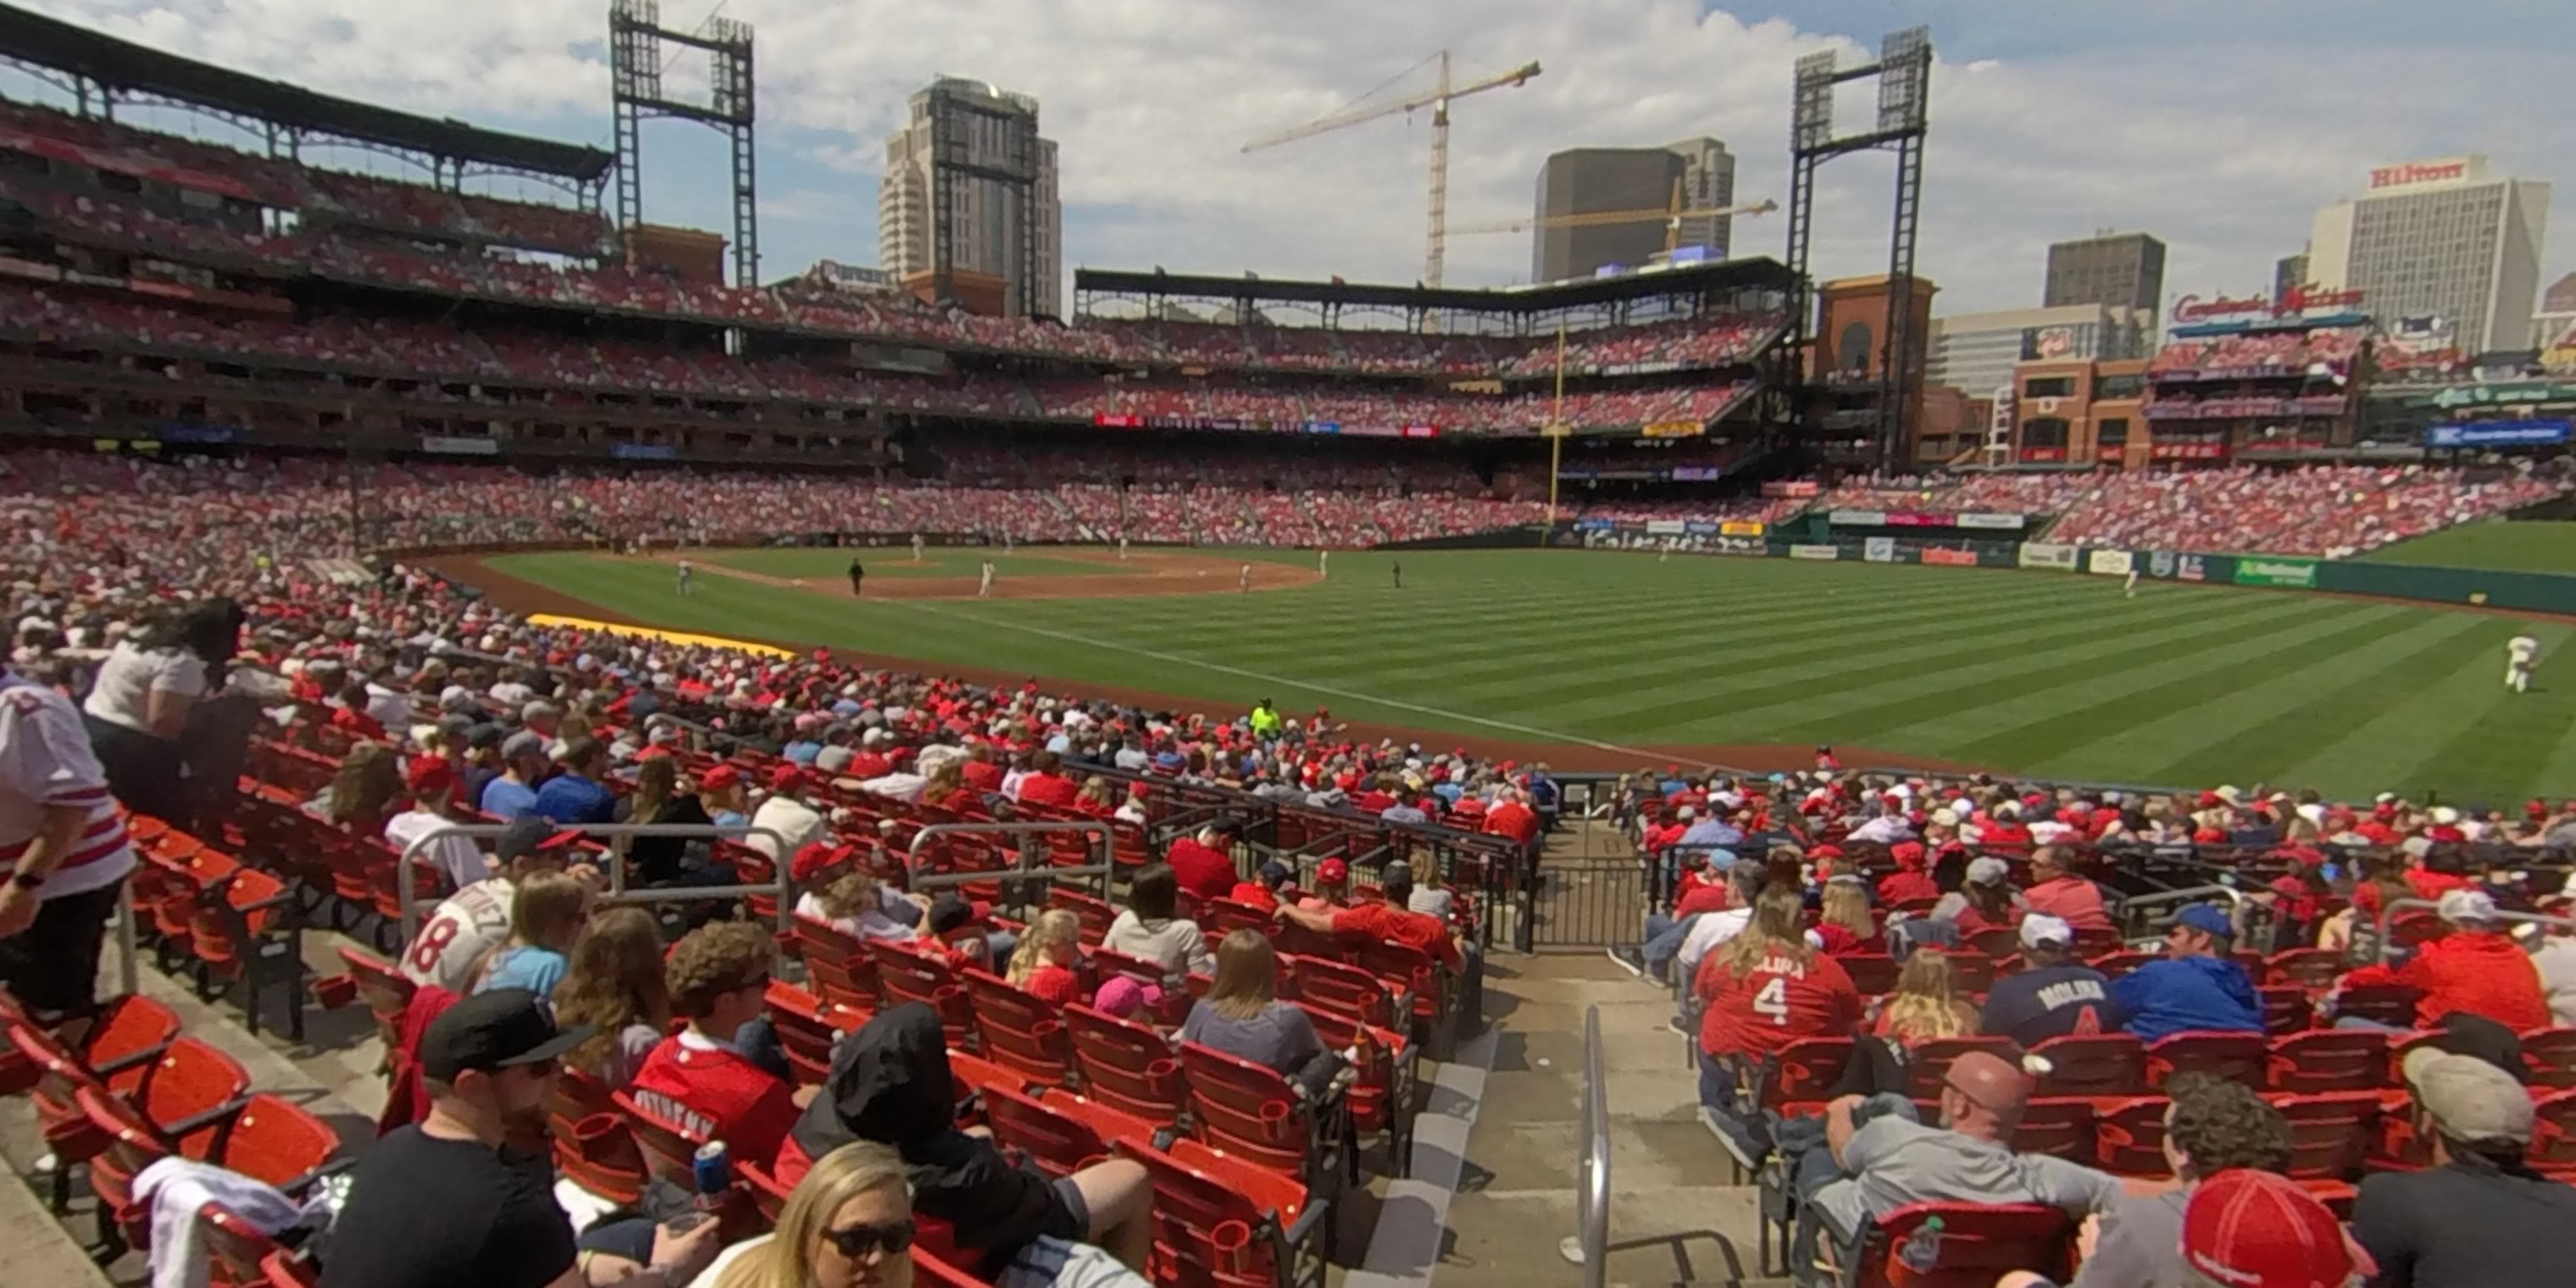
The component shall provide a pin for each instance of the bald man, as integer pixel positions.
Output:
(1878, 1158)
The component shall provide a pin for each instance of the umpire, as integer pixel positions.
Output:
(857, 575)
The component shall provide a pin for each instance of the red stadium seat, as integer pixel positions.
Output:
(2330, 1060)
(1224, 1223)
(2236, 1057)
(837, 966)
(1128, 1066)
(1978, 1244)
(1061, 1132)
(1020, 1032)
(2113, 1064)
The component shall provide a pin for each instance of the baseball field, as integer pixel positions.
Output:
(1611, 659)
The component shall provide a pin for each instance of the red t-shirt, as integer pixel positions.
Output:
(1256, 894)
(1202, 871)
(1398, 926)
(1897, 887)
(1698, 898)
(982, 775)
(1047, 789)
(1512, 819)
(715, 1092)
(2075, 900)
(867, 765)
(1777, 1001)
(1053, 983)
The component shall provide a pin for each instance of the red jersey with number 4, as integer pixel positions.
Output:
(1778, 1001)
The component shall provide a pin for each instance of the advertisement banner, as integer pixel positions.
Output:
(459, 446)
(1664, 527)
(1944, 558)
(1792, 488)
(1996, 521)
(1741, 528)
(2174, 566)
(1815, 552)
(1596, 525)
(1672, 429)
(1857, 518)
(2300, 573)
(2496, 433)
(1740, 546)
(644, 451)
(1700, 527)
(1879, 550)
(2108, 563)
(2047, 554)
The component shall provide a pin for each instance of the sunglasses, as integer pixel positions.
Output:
(858, 1242)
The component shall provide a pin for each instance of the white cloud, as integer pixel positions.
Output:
(2224, 150)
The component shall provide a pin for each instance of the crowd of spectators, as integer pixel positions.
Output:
(2323, 510)
(2328, 350)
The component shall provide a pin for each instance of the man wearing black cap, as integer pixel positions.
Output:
(457, 1200)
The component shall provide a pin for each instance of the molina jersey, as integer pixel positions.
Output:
(1778, 1001)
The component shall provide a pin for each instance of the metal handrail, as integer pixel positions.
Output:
(2189, 894)
(1589, 1245)
(782, 885)
(1104, 869)
(2388, 916)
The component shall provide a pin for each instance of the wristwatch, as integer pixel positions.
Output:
(27, 881)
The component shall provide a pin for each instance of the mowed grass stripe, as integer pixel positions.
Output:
(1907, 671)
(2411, 737)
(2073, 741)
(2432, 647)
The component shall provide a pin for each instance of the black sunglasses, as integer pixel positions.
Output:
(857, 1241)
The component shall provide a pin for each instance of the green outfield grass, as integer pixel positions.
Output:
(2506, 547)
(896, 561)
(2032, 672)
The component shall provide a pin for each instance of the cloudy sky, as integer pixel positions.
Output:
(2219, 125)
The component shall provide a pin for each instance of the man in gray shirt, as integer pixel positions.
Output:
(1892, 1161)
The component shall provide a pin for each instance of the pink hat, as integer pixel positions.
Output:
(1122, 996)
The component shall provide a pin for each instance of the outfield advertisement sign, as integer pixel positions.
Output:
(2047, 554)
(1944, 558)
(1879, 550)
(2172, 566)
(2108, 563)
(2497, 433)
(2000, 522)
(452, 445)
(1815, 552)
(1856, 518)
(1700, 527)
(1740, 546)
(2299, 573)
(1664, 527)
(1740, 528)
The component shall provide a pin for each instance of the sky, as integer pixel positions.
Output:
(2218, 125)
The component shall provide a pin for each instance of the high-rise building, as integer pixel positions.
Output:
(986, 239)
(2442, 239)
(2560, 297)
(2121, 270)
(1978, 351)
(1583, 181)
(2289, 271)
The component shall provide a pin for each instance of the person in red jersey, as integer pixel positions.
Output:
(1511, 816)
(1390, 921)
(1911, 880)
(1045, 783)
(702, 1079)
(1758, 992)
(2475, 968)
(1263, 892)
(1204, 864)
(2057, 892)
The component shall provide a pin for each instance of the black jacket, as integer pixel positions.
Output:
(890, 1084)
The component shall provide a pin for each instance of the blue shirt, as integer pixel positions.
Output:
(506, 800)
(802, 753)
(1711, 832)
(537, 970)
(2185, 994)
(571, 798)
(1403, 814)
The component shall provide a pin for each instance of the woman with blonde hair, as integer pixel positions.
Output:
(1243, 1016)
(848, 1224)
(1926, 1005)
(615, 985)
(362, 789)
(945, 783)
(1846, 922)
(1043, 962)
(1767, 987)
(546, 917)
(1094, 801)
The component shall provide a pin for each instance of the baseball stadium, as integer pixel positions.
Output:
(1229, 780)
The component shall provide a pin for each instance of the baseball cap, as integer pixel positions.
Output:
(1987, 871)
(494, 1030)
(2470, 1034)
(1276, 873)
(1332, 872)
(816, 858)
(2469, 1099)
(719, 778)
(2208, 918)
(786, 778)
(526, 742)
(529, 834)
(1394, 872)
(2262, 1230)
(2468, 908)
(429, 776)
(2038, 929)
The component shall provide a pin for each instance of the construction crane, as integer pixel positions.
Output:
(1672, 217)
(1437, 237)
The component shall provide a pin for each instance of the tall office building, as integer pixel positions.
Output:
(2120, 270)
(2441, 238)
(1977, 352)
(986, 240)
(1584, 181)
(2289, 271)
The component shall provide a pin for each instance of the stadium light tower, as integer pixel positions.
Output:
(1436, 235)
(635, 62)
(1904, 72)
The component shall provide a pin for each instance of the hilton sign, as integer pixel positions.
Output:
(2294, 301)
(2414, 172)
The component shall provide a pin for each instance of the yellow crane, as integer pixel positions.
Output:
(1438, 100)
(1672, 217)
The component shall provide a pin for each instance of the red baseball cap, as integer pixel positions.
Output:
(2260, 1230)
(429, 776)
(719, 778)
(786, 778)
(1332, 872)
(817, 858)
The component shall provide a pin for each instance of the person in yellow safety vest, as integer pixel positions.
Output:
(1265, 720)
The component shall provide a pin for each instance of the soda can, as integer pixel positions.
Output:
(713, 1168)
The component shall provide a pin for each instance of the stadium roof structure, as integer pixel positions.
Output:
(1544, 297)
(128, 68)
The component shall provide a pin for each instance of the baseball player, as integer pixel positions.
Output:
(1323, 563)
(1396, 566)
(2129, 587)
(1122, 549)
(1243, 580)
(916, 547)
(858, 575)
(687, 574)
(2520, 656)
(984, 588)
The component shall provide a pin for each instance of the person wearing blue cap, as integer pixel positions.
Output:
(2196, 988)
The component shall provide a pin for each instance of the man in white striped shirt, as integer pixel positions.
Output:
(62, 848)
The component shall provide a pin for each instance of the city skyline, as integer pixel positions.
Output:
(2037, 136)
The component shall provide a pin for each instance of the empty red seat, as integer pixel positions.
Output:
(1978, 1244)
(837, 966)
(1094, 913)
(2309, 968)
(2110, 1064)
(1019, 1031)
(1253, 1113)
(2287, 1009)
(2236, 1057)
(1220, 1222)
(2059, 1127)
(1060, 1131)
(2129, 1136)
(1931, 1063)
(2330, 1060)
(1347, 990)
(1128, 1066)
(904, 975)
(2550, 1056)
(807, 1028)
(670, 1148)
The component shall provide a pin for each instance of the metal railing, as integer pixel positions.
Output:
(1589, 1245)
(2388, 916)
(2191, 894)
(783, 884)
(1024, 871)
